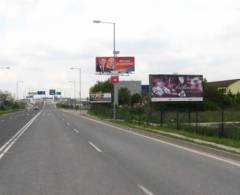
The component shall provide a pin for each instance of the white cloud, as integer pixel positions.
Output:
(42, 39)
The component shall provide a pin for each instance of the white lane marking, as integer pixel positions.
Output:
(225, 160)
(68, 124)
(145, 190)
(94, 146)
(4, 149)
(75, 130)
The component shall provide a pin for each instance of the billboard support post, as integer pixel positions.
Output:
(177, 119)
(161, 118)
(80, 84)
(115, 102)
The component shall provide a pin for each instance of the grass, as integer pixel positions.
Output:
(8, 111)
(161, 130)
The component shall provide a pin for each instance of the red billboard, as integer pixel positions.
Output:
(105, 65)
(176, 87)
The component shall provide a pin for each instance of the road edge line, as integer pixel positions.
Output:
(215, 157)
(4, 149)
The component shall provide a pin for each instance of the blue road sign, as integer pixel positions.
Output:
(52, 92)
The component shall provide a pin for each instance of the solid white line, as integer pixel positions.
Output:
(4, 149)
(95, 147)
(75, 130)
(225, 160)
(10, 140)
(145, 190)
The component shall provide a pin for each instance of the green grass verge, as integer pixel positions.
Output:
(159, 130)
(8, 111)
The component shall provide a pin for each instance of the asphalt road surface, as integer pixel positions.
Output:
(61, 153)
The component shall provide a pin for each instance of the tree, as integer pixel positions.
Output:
(102, 86)
(5, 99)
(124, 96)
(136, 99)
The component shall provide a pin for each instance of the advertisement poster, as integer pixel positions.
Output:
(105, 65)
(100, 98)
(176, 87)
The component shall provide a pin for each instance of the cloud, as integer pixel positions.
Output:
(42, 39)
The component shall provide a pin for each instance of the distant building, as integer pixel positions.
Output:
(227, 86)
(132, 86)
(145, 90)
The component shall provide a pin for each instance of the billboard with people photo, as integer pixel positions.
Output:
(176, 87)
(105, 65)
(100, 97)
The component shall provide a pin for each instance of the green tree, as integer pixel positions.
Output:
(102, 86)
(124, 96)
(6, 99)
(136, 99)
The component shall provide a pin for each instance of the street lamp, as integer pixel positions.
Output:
(115, 86)
(80, 83)
(74, 88)
(17, 86)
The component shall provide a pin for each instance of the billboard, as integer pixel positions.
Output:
(176, 87)
(100, 97)
(105, 65)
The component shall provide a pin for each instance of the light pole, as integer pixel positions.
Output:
(115, 85)
(17, 86)
(80, 83)
(74, 88)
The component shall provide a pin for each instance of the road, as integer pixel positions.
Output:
(10, 123)
(62, 153)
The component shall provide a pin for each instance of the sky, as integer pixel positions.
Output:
(41, 39)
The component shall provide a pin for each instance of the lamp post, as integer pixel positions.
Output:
(74, 88)
(17, 86)
(115, 85)
(80, 83)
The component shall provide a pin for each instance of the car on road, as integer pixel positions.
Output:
(36, 108)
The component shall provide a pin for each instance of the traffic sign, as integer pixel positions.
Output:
(114, 79)
(41, 92)
(52, 92)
